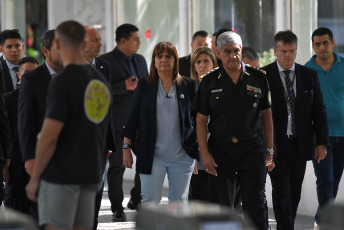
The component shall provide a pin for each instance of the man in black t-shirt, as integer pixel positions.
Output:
(70, 150)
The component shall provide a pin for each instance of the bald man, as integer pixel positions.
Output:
(93, 44)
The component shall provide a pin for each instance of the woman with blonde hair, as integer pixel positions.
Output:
(203, 60)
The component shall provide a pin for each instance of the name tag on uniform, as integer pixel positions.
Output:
(216, 90)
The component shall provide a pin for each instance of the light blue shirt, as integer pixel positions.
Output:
(292, 77)
(168, 145)
(51, 71)
(13, 73)
(332, 88)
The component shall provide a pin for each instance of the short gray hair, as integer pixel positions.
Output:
(228, 38)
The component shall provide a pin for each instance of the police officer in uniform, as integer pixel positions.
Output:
(237, 100)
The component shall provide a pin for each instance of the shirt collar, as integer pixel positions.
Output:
(10, 65)
(123, 54)
(51, 71)
(93, 62)
(243, 70)
(280, 69)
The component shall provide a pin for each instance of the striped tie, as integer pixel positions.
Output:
(131, 66)
(291, 99)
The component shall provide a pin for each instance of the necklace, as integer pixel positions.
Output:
(164, 85)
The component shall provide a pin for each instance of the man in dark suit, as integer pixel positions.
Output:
(127, 68)
(13, 48)
(5, 135)
(90, 53)
(15, 175)
(199, 39)
(32, 100)
(300, 126)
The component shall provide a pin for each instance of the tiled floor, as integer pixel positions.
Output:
(105, 214)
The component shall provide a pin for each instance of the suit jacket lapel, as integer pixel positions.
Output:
(122, 62)
(276, 79)
(46, 77)
(152, 97)
(100, 67)
(300, 85)
(7, 77)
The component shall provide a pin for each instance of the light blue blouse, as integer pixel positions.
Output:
(168, 145)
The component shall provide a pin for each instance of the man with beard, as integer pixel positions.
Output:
(32, 101)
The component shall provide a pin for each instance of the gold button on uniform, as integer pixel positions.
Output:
(235, 140)
(254, 104)
(255, 95)
(217, 98)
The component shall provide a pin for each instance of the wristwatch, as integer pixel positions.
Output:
(126, 146)
(271, 151)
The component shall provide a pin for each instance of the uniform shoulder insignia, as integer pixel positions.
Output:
(255, 68)
(211, 71)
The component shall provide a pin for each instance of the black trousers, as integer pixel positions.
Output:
(199, 186)
(247, 158)
(115, 177)
(286, 181)
(99, 197)
(2, 191)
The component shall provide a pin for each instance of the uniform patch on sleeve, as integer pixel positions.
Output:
(269, 97)
(96, 101)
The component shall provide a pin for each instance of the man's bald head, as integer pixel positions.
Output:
(93, 43)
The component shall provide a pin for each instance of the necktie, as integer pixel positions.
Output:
(291, 99)
(131, 66)
(16, 70)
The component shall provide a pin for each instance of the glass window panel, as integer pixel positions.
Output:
(331, 15)
(254, 20)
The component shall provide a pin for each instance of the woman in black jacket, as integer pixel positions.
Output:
(161, 113)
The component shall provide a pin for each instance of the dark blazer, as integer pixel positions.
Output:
(7, 77)
(142, 116)
(5, 134)
(17, 166)
(31, 108)
(104, 67)
(185, 66)
(120, 72)
(311, 118)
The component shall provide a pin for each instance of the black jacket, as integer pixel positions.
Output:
(185, 66)
(142, 116)
(120, 72)
(5, 134)
(7, 77)
(31, 108)
(311, 117)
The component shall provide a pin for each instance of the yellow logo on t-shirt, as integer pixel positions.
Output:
(97, 101)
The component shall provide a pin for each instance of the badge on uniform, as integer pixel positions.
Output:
(254, 89)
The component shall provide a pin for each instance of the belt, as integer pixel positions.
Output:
(240, 139)
(291, 137)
